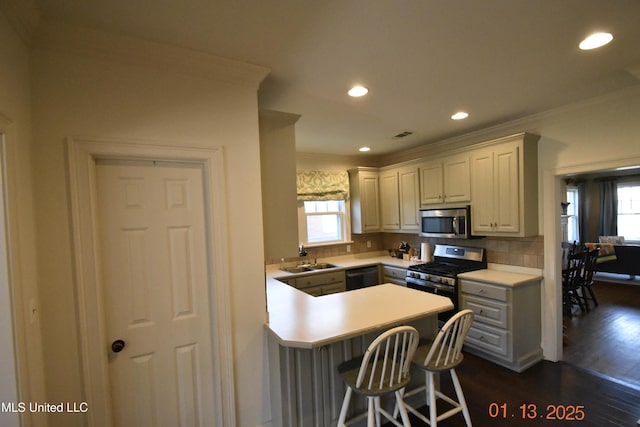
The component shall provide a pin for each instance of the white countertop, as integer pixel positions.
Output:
(344, 262)
(500, 277)
(300, 320)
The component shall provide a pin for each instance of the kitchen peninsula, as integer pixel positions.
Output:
(309, 336)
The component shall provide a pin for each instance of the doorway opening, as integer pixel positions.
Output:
(603, 338)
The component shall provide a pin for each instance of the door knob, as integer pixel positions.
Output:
(117, 346)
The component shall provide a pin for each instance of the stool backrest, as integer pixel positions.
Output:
(446, 349)
(388, 358)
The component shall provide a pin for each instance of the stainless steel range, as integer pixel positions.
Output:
(440, 276)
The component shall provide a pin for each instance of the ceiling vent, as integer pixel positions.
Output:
(402, 134)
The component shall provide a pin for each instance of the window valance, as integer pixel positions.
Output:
(320, 185)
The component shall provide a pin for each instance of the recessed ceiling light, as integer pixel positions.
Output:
(357, 91)
(460, 115)
(595, 41)
(364, 149)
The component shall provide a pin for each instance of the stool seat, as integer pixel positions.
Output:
(350, 370)
(382, 370)
(444, 353)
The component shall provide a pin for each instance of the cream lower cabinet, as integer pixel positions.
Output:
(507, 325)
(504, 187)
(321, 283)
(395, 275)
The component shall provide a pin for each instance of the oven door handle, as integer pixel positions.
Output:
(445, 288)
(432, 285)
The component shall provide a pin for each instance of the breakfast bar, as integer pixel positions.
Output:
(310, 336)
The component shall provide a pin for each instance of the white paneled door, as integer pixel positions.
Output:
(153, 253)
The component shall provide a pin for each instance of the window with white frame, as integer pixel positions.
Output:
(322, 221)
(323, 208)
(573, 231)
(629, 211)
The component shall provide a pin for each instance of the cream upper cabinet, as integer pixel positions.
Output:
(500, 174)
(399, 199)
(431, 183)
(365, 200)
(389, 200)
(409, 199)
(445, 180)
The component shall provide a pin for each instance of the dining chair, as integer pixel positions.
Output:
(586, 284)
(572, 276)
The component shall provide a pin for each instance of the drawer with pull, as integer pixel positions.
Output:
(320, 279)
(488, 339)
(484, 290)
(487, 311)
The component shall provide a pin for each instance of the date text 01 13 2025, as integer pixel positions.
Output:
(531, 411)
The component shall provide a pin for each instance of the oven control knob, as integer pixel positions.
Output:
(427, 277)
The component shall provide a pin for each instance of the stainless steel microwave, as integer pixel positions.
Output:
(450, 223)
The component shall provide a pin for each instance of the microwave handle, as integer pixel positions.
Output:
(455, 225)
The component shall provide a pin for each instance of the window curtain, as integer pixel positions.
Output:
(608, 208)
(320, 185)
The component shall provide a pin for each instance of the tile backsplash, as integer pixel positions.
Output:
(521, 252)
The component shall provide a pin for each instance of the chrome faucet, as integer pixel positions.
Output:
(301, 250)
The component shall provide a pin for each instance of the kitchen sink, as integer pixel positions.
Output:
(322, 266)
(299, 269)
(308, 267)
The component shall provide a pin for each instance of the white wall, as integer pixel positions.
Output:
(15, 124)
(83, 95)
(330, 162)
(597, 135)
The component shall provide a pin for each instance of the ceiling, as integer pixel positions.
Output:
(422, 60)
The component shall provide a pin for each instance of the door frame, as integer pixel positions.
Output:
(552, 289)
(11, 390)
(82, 154)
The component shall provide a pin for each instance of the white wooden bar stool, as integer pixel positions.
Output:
(443, 354)
(384, 370)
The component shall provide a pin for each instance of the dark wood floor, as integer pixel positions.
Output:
(545, 385)
(606, 339)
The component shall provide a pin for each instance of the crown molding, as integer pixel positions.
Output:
(56, 36)
(24, 17)
(528, 124)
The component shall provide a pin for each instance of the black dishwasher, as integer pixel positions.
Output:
(362, 277)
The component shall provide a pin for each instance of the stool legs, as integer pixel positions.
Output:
(345, 407)
(461, 399)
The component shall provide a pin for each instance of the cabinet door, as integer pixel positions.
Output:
(389, 201)
(482, 191)
(507, 184)
(408, 199)
(370, 203)
(431, 183)
(457, 181)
